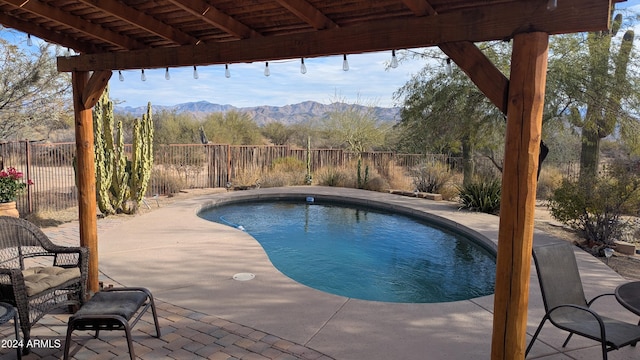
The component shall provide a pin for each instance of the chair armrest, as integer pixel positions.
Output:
(598, 297)
(71, 257)
(582, 308)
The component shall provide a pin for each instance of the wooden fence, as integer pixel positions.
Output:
(176, 167)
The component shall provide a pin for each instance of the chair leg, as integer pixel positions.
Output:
(604, 350)
(127, 332)
(155, 314)
(535, 335)
(67, 341)
(567, 341)
(17, 330)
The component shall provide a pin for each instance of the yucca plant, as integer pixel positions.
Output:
(481, 195)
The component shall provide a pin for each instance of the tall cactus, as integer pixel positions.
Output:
(118, 180)
(142, 157)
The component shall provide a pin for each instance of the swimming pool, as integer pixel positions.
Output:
(364, 253)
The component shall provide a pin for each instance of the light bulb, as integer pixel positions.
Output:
(552, 5)
(267, 72)
(303, 67)
(227, 73)
(29, 41)
(166, 74)
(345, 63)
(448, 68)
(67, 54)
(120, 76)
(143, 77)
(195, 72)
(394, 59)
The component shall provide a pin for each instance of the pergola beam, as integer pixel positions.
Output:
(59, 16)
(142, 20)
(308, 13)
(217, 18)
(518, 196)
(420, 7)
(382, 35)
(86, 174)
(491, 81)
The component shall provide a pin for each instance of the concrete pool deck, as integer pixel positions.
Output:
(189, 262)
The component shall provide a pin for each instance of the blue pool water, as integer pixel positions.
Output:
(363, 253)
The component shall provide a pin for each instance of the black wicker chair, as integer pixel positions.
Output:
(37, 276)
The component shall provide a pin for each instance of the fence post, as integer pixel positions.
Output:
(27, 150)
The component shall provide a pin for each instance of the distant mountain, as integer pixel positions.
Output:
(288, 114)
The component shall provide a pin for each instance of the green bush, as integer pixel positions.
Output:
(596, 208)
(481, 195)
(431, 177)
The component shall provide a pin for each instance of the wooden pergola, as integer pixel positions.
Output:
(135, 34)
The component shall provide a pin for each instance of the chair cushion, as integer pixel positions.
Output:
(38, 279)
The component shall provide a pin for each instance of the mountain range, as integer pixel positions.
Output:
(288, 114)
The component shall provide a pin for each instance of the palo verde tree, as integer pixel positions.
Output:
(34, 96)
(354, 127)
(444, 112)
(121, 182)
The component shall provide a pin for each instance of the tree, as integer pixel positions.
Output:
(278, 133)
(233, 127)
(354, 127)
(446, 113)
(594, 90)
(34, 97)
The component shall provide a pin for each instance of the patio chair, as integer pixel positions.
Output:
(37, 276)
(566, 306)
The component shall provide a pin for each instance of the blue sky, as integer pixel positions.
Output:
(367, 81)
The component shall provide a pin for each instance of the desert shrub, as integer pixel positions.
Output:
(331, 176)
(431, 176)
(165, 182)
(247, 177)
(282, 178)
(376, 183)
(550, 179)
(288, 164)
(451, 190)
(481, 194)
(595, 208)
(398, 178)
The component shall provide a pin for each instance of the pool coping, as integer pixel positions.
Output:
(189, 261)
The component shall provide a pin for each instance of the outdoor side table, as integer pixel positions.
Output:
(628, 295)
(112, 309)
(8, 312)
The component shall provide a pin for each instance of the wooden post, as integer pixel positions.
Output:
(524, 127)
(86, 175)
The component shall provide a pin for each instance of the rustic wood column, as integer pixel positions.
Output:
(86, 176)
(524, 126)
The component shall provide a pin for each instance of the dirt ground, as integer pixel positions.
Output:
(627, 266)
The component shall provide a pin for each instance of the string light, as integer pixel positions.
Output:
(29, 41)
(303, 67)
(448, 68)
(166, 74)
(345, 63)
(195, 72)
(552, 5)
(67, 53)
(143, 77)
(394, 59)
(267, 72)
(120, 76)
(227, 73)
